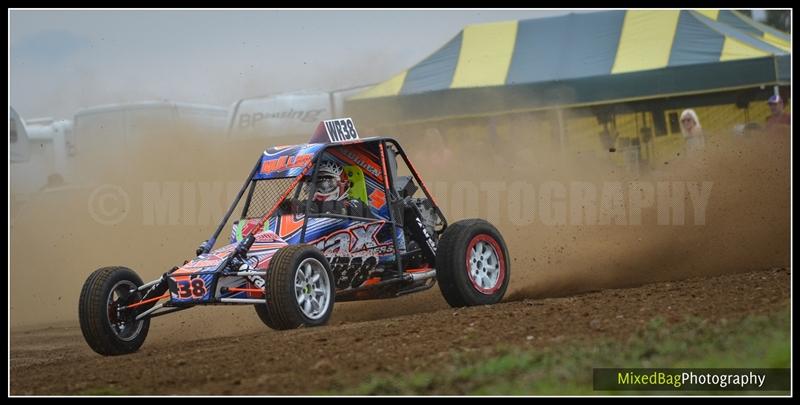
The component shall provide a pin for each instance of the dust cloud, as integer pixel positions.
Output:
(744, 225)
(57, 239)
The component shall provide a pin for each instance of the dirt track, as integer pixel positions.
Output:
(226, 350)
(249, 359)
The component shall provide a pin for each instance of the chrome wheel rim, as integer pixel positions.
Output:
(312, 288)
(484, 266)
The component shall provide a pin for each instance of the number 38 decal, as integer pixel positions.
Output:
(195, 288)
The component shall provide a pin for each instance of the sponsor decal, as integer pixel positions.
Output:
(359, 240)
(251, 120)
(428, 239)
(284, 163)
(351, 272)
(289, 224)
(202, 263)
(353, 253)
(359, 160)
(377, 199)
(258, 281)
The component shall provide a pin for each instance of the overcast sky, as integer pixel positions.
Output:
(61, 61)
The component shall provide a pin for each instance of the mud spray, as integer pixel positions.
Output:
(58, 240)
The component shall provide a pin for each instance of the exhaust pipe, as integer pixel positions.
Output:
(422, 275)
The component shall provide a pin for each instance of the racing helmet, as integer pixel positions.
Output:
(332, 182)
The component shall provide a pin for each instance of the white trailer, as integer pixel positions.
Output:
(40, 149)
(17, 138)
(100, 143)
(111, 136)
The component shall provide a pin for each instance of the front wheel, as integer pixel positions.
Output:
(109, 330)
(472, 264)
(299, 289)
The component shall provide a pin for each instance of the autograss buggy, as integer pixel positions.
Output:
(328, 221)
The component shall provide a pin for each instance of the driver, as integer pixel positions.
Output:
(332, 182)
(332, 192)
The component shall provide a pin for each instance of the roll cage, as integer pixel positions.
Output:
(389, 150)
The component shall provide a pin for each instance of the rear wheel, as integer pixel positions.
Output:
(472, 264)
(299, 289)
(107, 329)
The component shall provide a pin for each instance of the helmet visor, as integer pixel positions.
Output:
(326, 184)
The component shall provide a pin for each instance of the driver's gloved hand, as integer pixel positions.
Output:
(357, 208)
(291, 206)
(332, 207)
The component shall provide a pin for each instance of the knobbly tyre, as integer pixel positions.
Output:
(331, 220)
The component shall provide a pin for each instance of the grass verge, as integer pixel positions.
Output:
(757, 341)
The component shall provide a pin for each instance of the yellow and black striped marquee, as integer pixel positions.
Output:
(583, 59)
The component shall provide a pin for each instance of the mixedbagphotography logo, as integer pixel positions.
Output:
(109, 204)
(520, 203)
(688, 379)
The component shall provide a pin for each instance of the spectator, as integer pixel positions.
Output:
(692, 131)
(778, 118)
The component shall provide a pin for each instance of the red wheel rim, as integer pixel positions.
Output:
(486, 264)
